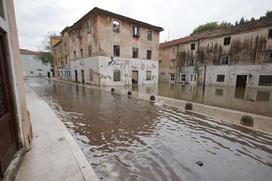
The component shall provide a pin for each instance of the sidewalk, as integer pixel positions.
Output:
(55, 155)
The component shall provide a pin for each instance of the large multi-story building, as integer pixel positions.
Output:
(104, 48)
(237, 56)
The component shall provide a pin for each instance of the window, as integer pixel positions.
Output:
(81, 53)
(172, 77)
(265, 80)
(1, 9)
(219, 92)
(74, 54)
(134, 52)
(192, 46)
(116, 50)
(173, 63)
(270, 33)
(89, 27)
(182, 77)
(149, 35)
(136, 31)
(148, 54)
(116, 75)
(148, 75)
(91, 74)
(39, 69)
(227, 41)
(115, 26)
(90, 50)
(268, 57)
(191, 62)
(225, 60)
(220, 78)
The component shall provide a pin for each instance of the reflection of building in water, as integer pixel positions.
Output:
(258, 101)
(239, 56)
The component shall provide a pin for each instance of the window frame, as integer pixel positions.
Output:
(265, 85)
(136, 34)
(269, 35)
(218, 78)
(148, 75)
(221, 60)
(149, 54)
(227, 40)
(115, 47)
(149, 35)
(135, 50)
(113, 76)
(116, 29)
(193, 46)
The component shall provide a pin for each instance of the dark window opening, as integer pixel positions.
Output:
(227, 41)
(225, 60)
(75, 54)
(116, 50)
(90, 50)
(81, 53)
(192, 46)
(116, 75)
(136, 31)
(148, 75)
(135, 52)
(89, 27)
(265, 80)
(270, 33)
(172, 77)
(149, 55)
(220, 78)
(115, 26)
(149, 35)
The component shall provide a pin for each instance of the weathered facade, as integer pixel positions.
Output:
(32, 66)
(104, 48)
(15, 127)
(235, 56)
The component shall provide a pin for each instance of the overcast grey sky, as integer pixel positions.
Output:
(178, 17)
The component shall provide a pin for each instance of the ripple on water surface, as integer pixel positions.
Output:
(130, 139)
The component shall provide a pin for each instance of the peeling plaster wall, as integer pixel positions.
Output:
(165, 70)
(232, 71)
(102, 70)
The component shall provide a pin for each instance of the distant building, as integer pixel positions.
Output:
(237, 56)
(15, 126)
(104, 48)
(32, 65)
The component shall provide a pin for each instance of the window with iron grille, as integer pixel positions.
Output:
(265, 80)
(220, 78)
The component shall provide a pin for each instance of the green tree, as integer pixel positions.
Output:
(46, 57)
(268, 14)
(205, 27)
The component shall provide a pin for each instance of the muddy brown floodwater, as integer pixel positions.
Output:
(131, 139)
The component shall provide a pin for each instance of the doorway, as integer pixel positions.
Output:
(82, 77)
(241, 81)
(76, 75)
(8, 134)
(134, 76)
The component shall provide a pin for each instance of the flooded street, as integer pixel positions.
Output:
(252, 100)
(131, 139)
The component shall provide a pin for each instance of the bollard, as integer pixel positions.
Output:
(152, 98)
(129, 93)
(112, 89)
(199, 163)
(247, 120)
(189, 106)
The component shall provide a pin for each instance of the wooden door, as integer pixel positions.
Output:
(134, 76)
(8, 138)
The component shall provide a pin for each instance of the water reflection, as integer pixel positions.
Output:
(256, 101)
(130, 139)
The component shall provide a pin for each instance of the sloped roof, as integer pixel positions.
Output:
(264, 22)
(30, 52)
